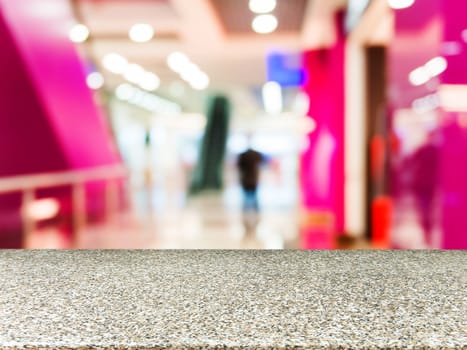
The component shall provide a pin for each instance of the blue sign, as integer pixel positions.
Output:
(285, 69)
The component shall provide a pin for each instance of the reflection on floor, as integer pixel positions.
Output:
(208, 221)
(407, 231)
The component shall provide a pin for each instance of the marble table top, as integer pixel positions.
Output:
(199, 299)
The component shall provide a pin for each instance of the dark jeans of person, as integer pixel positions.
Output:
(425, 203)
(250, 200)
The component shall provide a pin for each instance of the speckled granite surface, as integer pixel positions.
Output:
(233, 299)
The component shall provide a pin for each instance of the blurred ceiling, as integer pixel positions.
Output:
(214, 34)
(236, 17)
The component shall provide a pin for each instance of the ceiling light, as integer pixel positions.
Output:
(272, 97)
(134, 73)
(190, 71)
(141, 32)
(145, 100)
(419, 76)
(150, 82)
(79, 33)
(264, 24)
(262, 6)
(177, 61)
(436, 66)
(115, 63)
(400, 4)
(431, 69)
(200, 81)
(95, 80)
(124, 92)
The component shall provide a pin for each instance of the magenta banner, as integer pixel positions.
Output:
(429, 169)
(322, 163)
(49, 118)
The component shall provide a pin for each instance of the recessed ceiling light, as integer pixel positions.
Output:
(264, 24)
(419, 76)
(134, 73)
(145, 100)
(141, 32)
(436, 66)
(431, 69)
(95, 80)
(400, 4)
(115, 63)
(190, 72)
(200, 81)
(79, 33)
(178, 61)
(150, 82)
(262, 6)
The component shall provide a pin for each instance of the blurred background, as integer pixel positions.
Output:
(123, 122)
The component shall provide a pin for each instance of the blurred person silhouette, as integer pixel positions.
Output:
(424, 164)
(249, 163)
(148, 176)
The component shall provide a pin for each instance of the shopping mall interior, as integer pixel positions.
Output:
(123, 123)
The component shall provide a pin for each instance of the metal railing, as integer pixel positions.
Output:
(77, 179)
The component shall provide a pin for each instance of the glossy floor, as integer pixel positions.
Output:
(207, 221)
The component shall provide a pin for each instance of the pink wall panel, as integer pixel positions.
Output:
(438, 167)
(28, 143)
(322, 164)
(40, 29)
(454, 134)
(49, 120)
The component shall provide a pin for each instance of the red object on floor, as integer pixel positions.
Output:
(381, 223)
(378, 155)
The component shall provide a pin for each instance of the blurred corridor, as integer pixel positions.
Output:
(121, 124)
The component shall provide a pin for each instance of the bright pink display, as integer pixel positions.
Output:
(55, 70)
(49, 120)
(322, 164)
(428, 183)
